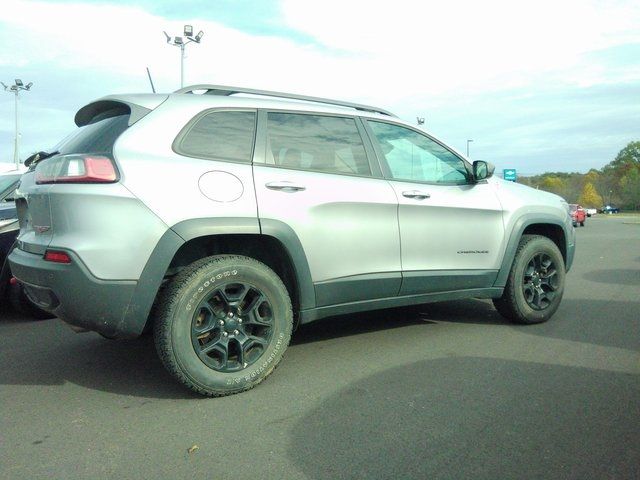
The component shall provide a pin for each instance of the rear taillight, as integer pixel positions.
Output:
(76, 169)
(57, 256)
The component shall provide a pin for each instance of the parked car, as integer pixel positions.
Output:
(591, 211)
(9, 228)
(291, 209)
(610, 209)
(578, 214)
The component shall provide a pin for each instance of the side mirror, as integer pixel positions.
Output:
(482, 170)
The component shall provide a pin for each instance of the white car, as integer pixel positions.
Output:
(590, 211)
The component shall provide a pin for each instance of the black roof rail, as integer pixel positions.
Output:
(226, 91)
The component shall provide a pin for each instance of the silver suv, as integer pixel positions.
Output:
(220, 218)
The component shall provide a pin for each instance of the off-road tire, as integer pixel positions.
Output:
(175, 316)
(513, 305)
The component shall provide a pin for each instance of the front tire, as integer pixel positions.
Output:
(223, 324)
(535, 284)
(582, 224)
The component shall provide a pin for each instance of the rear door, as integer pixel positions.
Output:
(315, 176)
(451, 229)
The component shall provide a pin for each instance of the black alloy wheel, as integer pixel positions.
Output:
(231, 328)
(540, 281)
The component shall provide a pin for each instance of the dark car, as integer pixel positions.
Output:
(610, 209)
(9, 228)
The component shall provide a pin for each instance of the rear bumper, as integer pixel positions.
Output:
(74, 295)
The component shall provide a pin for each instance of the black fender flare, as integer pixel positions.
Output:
(516, 234)
(153, 273)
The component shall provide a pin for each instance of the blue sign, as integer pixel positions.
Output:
(509, 174)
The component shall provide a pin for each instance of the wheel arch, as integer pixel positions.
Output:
(535, 224)
(272, 242)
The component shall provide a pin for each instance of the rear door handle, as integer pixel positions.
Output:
(417, 194)
(284, 186)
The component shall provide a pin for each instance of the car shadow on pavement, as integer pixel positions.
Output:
(622, 276)
(498, 419)
(57, 356)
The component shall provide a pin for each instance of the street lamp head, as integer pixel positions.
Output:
(199, 36)
(6, 87)
(167, 35)
(188, 31)
(28, 86)
(19, 82)
(178, 41)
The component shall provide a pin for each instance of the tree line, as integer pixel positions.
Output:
(617, 183)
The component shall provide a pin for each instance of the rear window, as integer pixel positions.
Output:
(7, 181)
(97, 137)
(219, 135)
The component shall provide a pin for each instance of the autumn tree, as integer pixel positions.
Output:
(553, 184)
(590, 196)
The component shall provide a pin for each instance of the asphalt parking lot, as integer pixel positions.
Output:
(446, 390)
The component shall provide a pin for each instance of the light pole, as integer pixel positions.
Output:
(180, 42)
(15, 88)
(468, 142)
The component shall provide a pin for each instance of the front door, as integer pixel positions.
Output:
(451, 228)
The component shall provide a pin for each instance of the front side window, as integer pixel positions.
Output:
(315, 142)
(222, 135)
(411, 156)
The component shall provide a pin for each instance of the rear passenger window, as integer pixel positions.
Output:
(220, 136)
(315, 142)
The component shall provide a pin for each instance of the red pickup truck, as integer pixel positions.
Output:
(578, 214)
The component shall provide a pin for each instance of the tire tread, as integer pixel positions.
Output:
(171, 296)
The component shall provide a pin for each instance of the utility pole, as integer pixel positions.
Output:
(15, 88)
(180, 42)
(468, 142)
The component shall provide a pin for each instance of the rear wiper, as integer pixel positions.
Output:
(36, 157)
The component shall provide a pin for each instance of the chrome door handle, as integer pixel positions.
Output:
(284, 186)
(417, 194)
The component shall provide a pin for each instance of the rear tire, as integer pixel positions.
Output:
(535, 284)
(223, 324)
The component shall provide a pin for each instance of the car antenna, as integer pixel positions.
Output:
(153, 89)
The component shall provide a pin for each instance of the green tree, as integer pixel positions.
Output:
(590, 196)
(630, 188)
(629, 155)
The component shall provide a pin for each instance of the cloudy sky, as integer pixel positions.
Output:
(539, 86)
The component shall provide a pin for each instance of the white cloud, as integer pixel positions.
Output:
(409, 56)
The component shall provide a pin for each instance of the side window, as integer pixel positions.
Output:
(315, 142)
(414, 157)
(220, 136)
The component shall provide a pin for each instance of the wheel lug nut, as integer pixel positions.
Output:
(224, 334)
(239, 320)
(230, 314)
(221, 323)
(236, 332)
